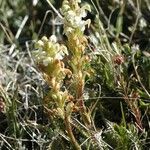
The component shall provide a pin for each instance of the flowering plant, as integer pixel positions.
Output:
(50, 60)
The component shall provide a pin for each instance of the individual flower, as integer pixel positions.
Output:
(46, 61)
(53, 39)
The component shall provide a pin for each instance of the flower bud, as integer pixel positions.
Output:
(118, 59)
(53, 39)
(39, 44)
(44, 39)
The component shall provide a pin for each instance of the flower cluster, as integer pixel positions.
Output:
(49, 58)
(74, 26)
(49, 49)
(73, 16)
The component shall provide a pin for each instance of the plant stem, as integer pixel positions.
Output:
(70, 133)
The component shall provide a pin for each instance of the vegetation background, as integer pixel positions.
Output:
(119, 38)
